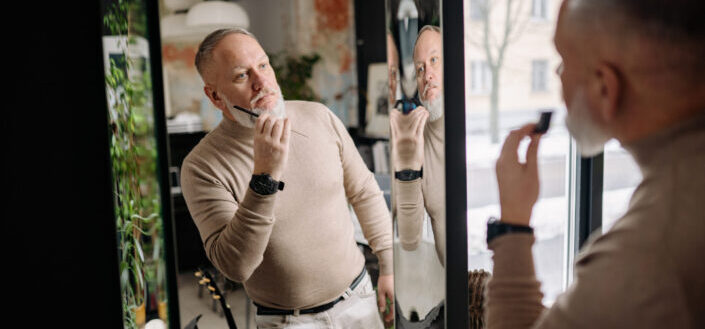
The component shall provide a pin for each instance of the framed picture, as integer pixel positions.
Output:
(377, 100)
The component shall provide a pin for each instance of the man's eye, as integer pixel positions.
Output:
(241, 76)
(434, 60)
(263, 66)
(420, 69)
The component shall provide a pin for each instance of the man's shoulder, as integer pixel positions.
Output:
(203, 152)
(307, 108)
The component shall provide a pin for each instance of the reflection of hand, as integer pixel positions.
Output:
(518, 182)
(271, 145)
(407, 138)
(385, 291)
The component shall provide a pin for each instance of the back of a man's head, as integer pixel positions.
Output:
(675, 27)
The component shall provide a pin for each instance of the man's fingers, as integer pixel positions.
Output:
(268, 126)
(532, 152)
(422, 124)
(264, 121)
(381, 301)
(277, 128)
(287, 132)
(259, 124)
(418, 121)
(511, 143)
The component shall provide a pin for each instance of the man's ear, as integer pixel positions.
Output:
(609, 85)
(213, 96)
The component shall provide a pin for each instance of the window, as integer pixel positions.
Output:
(539, 69)
(489, 120)
(621, 176)
(481, 77)
(538, 9)
(478, 9)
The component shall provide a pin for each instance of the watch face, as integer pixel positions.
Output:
(264, 184)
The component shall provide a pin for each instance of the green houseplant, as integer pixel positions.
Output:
(133, 155)
(293, 73)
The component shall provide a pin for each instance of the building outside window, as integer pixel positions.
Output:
(477, 9)
(525, 68)
(538, 9)
(481, 81)
(539, 75)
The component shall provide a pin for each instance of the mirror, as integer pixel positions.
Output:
(510, 63)
(330, 220)
(415, 67)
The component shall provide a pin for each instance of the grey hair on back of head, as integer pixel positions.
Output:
(205, 48)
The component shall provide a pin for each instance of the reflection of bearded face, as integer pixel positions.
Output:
(433, 105)
(590, 137)
(277, 110)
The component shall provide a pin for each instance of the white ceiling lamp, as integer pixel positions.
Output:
(217, 14)
(173, 29)
(179, 5)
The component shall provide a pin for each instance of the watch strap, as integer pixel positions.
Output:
(408, 174)
(496, 228)
(264, 184)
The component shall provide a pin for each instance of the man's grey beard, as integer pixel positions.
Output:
(434, 107)
(248, 121)
(589, 136)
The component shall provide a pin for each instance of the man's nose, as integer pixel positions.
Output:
(429, 76)
(258, 81)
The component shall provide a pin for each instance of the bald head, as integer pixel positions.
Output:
(649, 34)
(630, 67)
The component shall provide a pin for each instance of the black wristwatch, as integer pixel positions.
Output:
(497, 228)
(408, 174)
(265, 185)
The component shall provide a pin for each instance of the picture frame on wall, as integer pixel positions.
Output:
(378, 105)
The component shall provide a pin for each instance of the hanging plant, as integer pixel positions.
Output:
(133, 155)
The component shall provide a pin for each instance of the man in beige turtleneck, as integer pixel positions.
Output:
(632, 70)
(270, 197)
(417, 145)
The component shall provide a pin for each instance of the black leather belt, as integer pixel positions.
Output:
(263, 310)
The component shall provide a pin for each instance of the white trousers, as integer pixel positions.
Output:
(357, 311)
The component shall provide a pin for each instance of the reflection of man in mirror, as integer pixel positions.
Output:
(417, 149)
(292, 245)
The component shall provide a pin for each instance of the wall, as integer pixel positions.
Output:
(296, 27)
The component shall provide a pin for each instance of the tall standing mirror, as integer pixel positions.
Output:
(332, 231)
(415, 67)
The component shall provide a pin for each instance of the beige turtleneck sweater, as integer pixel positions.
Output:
(294, 249)
(648, 271)
(428, 193)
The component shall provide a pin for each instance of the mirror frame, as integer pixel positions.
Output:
(452, 26)
(162, 137)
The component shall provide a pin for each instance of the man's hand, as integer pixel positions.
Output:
(518, 182)
(407, 138)
(271, 145)
(385, 290)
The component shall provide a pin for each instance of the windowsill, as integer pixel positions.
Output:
(536, 19)
(480, 93)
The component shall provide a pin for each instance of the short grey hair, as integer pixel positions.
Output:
(429, 27)
(205, 49)
(424, 29)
